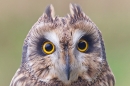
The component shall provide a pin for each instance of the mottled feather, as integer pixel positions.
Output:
(66, 66)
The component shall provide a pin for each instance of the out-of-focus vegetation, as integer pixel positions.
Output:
(111, 16)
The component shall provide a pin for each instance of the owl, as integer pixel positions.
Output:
(64, 51)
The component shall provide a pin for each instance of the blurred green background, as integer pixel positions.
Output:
(111, 16)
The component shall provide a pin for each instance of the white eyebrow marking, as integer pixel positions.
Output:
(77, 35)
(51, 36)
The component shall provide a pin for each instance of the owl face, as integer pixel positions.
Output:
(64, 48)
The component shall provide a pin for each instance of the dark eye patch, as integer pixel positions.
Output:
(39, 46)
(91, 41)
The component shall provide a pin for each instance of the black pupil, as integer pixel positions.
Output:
(81, 45)
(48, 47)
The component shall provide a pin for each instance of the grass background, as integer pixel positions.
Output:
(111, 16)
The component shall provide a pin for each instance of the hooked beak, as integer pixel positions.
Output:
(67, 62)
(67, 68)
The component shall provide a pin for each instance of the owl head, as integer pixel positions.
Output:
(66, 48)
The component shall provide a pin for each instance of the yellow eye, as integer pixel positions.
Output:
(82, 45)
(48, 47)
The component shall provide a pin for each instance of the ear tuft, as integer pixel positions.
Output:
(50, 11)
(75, 10)
(76, 14)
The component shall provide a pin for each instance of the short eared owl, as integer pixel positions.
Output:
(64, 51)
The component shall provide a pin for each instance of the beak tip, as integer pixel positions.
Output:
(68, 73)
(68, 77)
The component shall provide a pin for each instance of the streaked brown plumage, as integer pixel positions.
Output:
(68, 64)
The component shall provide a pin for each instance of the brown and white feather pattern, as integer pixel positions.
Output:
(86, 69)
